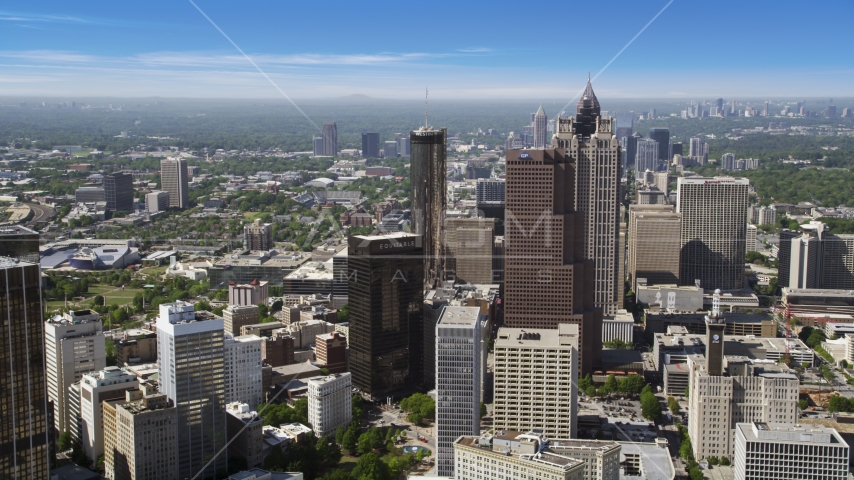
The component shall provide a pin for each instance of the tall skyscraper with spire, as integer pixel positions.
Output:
(589, 139)
(541, 125)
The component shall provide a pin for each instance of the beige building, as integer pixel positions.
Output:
(136, 347)
(654, 244)
(95, 388)
(714, 231)
(236, 316)
(140, 436)
(258, 236)
(174, 181)
(535, 378)
(601, 458)
(470, 244)
(74, 345)
(752, 391)
(589, 139)
(330, 403)
(512, 456)
(245, 427)
(253, 293)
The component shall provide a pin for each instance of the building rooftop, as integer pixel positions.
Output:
(713, 180)
(328, 378)
(258, 474)
(543, 456)
(655, 460)
(789, 433)
(453, 315)
(518, 337)
(313, 271)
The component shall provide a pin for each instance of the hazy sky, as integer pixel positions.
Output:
(393, 49)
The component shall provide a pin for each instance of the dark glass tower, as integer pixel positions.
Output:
(23, 401)
(370, 145)
(428, 154)
(118, 192)
(385, 288)
(20, 243)
(662, 136)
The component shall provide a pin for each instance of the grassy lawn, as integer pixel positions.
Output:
(83, 152)
(118, 297)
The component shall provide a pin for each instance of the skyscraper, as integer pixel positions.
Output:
(460, 366)
(370, 145)
(330, 139)
(24, 431)
(646, 155)
(547, 279)
(404, 148)
(18, 242)
(118, 192)
(429, 202)
(765, 112)
(590, 139)
(191, 374)
(662, 136)
(258, 236)
(317, 146)
(714, 231)
(719, 103)
(385, 285)
(390, 149)
(654, 244)
(541, 123)
(74, 345)
(174, 181)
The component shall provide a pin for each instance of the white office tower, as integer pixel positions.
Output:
(460, 364)
(646, 155)
(97, 387)
(190, 367)
(242, 362)
(330, 401)
(536, 380)
(74, 345)
(786, 451)
(540, 128)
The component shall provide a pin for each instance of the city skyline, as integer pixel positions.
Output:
(171, 50)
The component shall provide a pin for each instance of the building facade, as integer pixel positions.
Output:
(817, 258)
(662, 136)
(140, 436)
(330, 401)
(589, 139)
(654, 245)
(74, 345)
(156, 202)
(371, 145)
(469, 244)
(714, 231)
(778, 451)
(174, 181)
(191, 374)
(541, 123)
(258, 236)
(479, 458)
(242, 364)
(95, 388)
(330, 139)
(253, 293)
(646, 155)
(547, 280)
(535, 380)
(331, 351)
(236, 317)
(460, 365)
(24, 431)
(385, 287)
(428, 197)
(19, 242)
(245, 431)
(118, 192)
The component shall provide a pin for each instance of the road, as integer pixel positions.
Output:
(40, 213)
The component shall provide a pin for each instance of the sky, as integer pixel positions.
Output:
(457, 49)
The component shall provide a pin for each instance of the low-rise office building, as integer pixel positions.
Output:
(502, 457)
(787, 451)
(245, 431)
(330, 403)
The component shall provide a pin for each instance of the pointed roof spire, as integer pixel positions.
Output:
(588, 95)
(540, 110)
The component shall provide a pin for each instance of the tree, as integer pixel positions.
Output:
(631, 384)
(725, 461)
(713, 460)
(349, 440)
(483, 411)
(370, 467)
(98, 300)
(803, 404)
(344, 313)
(650, 408)
(65, 441)
(420, 407)
(843, 363)
(673, 405)
(339, 435)
(617, 344)
(611, 384)
(585, 382)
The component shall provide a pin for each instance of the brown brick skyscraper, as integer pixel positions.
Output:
(547, 281)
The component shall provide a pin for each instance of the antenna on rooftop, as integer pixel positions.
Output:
(426, 111)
